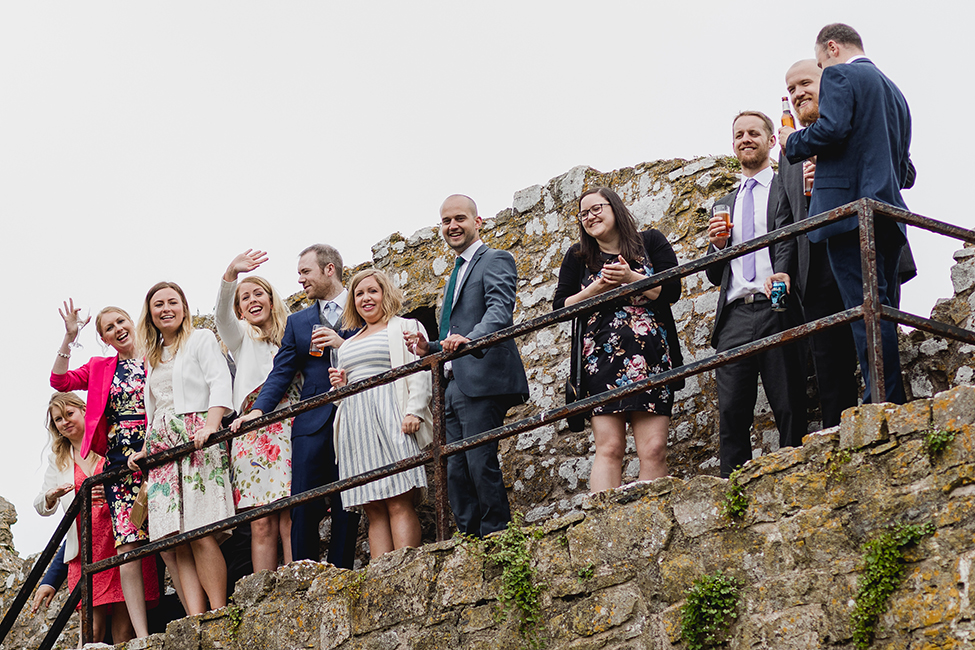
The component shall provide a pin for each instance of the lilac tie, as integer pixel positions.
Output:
(748, 228)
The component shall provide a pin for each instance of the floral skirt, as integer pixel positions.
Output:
(193, 491)
(262, 459)
(124, 437)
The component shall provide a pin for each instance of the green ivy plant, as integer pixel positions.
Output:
(587, 572)
(519, 589)
(735, 502)
(882, 572)
(835, 463)
(936, 441)
(235, 615)
(732, 163)
(708, 610)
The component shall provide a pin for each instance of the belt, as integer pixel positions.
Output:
(750, 298)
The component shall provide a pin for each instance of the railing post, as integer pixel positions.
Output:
(871, 301)
(87, 623)
(439, 409)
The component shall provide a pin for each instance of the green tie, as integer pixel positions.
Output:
(448, 298)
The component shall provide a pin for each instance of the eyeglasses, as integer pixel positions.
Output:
(595, 211)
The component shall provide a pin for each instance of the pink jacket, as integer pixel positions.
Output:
(96, 378)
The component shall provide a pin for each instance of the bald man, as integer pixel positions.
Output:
(479, 299)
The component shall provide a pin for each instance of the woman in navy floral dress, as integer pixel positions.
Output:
(625, 343)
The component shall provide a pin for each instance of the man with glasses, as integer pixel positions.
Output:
(744, 312)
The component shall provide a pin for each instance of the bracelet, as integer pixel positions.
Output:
(63, 355)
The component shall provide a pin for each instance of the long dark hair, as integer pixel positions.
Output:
(631, 244)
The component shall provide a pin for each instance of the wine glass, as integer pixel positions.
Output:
(83, 316)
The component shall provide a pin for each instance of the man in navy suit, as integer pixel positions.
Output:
(479, 299)
(861, 141)
(312, 449)
(744, 312)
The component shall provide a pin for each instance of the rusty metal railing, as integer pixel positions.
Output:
(871, 312)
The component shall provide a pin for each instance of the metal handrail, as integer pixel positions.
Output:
(871, 311)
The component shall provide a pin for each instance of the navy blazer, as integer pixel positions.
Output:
(782, 254)
(292, 357)
(484, 305)
(862, 139)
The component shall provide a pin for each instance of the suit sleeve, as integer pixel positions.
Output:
(785, 252)
(500, 276)
(836, 106)
(910, 176)
(662, 257)
(57, 571)
(286, 366)
(72, 380)
(569, 274)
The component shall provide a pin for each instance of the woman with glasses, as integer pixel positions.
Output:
(625, 343)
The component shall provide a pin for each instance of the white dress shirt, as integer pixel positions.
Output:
(763, 262)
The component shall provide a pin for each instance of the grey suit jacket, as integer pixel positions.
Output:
(485, 304)
(783, 254)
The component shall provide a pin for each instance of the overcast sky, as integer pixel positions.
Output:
(150, 141)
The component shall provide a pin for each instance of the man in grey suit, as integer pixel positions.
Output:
(479, 299)
(744, 312)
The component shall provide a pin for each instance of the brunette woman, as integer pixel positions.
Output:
(250, 318)
(188, 392)
(115, 425)
(67, 470)
(621, 344)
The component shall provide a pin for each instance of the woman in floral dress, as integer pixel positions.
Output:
(115, 424)
(621, 344)
(251, 317)
(188, 391)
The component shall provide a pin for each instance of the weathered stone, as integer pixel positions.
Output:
(910, 418)
(697, 506)
(183, 634)
(863, 426)
(955, 409)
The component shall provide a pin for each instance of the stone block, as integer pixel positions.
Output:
(391, 596)
(183, 634)
(605, 610)
(460, 580)
(697, 505)
(913, 417)
(954, 410)
(863, 425)
(251, 589)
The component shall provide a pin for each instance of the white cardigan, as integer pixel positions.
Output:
(254, 358)
(201, 377)
(54, 477)
(413, 393)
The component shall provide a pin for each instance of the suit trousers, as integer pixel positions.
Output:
(475, 485)
(313, 465)
(781, 370)
(833, 350)
(844, 259)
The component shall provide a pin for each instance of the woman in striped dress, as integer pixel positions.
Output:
(379, 426)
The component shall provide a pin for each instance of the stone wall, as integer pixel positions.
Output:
(615, 573)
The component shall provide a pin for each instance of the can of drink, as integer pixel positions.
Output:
(779, 296)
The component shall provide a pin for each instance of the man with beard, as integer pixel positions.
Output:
(834, 352)
(861, 140)
(744, 312)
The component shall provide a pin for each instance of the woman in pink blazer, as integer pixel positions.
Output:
(115, 425)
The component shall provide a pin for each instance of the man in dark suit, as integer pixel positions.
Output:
(861, 141)
(312, 449)
(479, 299)
(744, 312)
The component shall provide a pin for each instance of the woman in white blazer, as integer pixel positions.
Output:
(65, 472)
(251, 317)
(187, 394)
(380, 426)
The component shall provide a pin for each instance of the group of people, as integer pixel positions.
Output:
(170, 384)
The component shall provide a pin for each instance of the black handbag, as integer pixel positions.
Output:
(573, 385)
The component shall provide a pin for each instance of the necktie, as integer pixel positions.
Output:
(330, 314)
(448, 298)
(748, 228)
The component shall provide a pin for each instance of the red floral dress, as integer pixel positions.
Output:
(261, 459)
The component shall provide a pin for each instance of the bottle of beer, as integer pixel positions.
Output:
(787, 119)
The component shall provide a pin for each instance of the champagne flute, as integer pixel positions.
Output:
(83, 317)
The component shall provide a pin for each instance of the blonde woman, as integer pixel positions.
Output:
(251, 317)
(380, 426)
(66, 471)
(188, 391)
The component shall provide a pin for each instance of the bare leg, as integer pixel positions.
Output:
(650, 432)
(121, 625)
(607, 465)
(264, 543)
(211, 570)
(134, 591)
(169, 559)
(380, 535)
(284, 529)
(99, 618)
(403, 522)
(196, 600)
